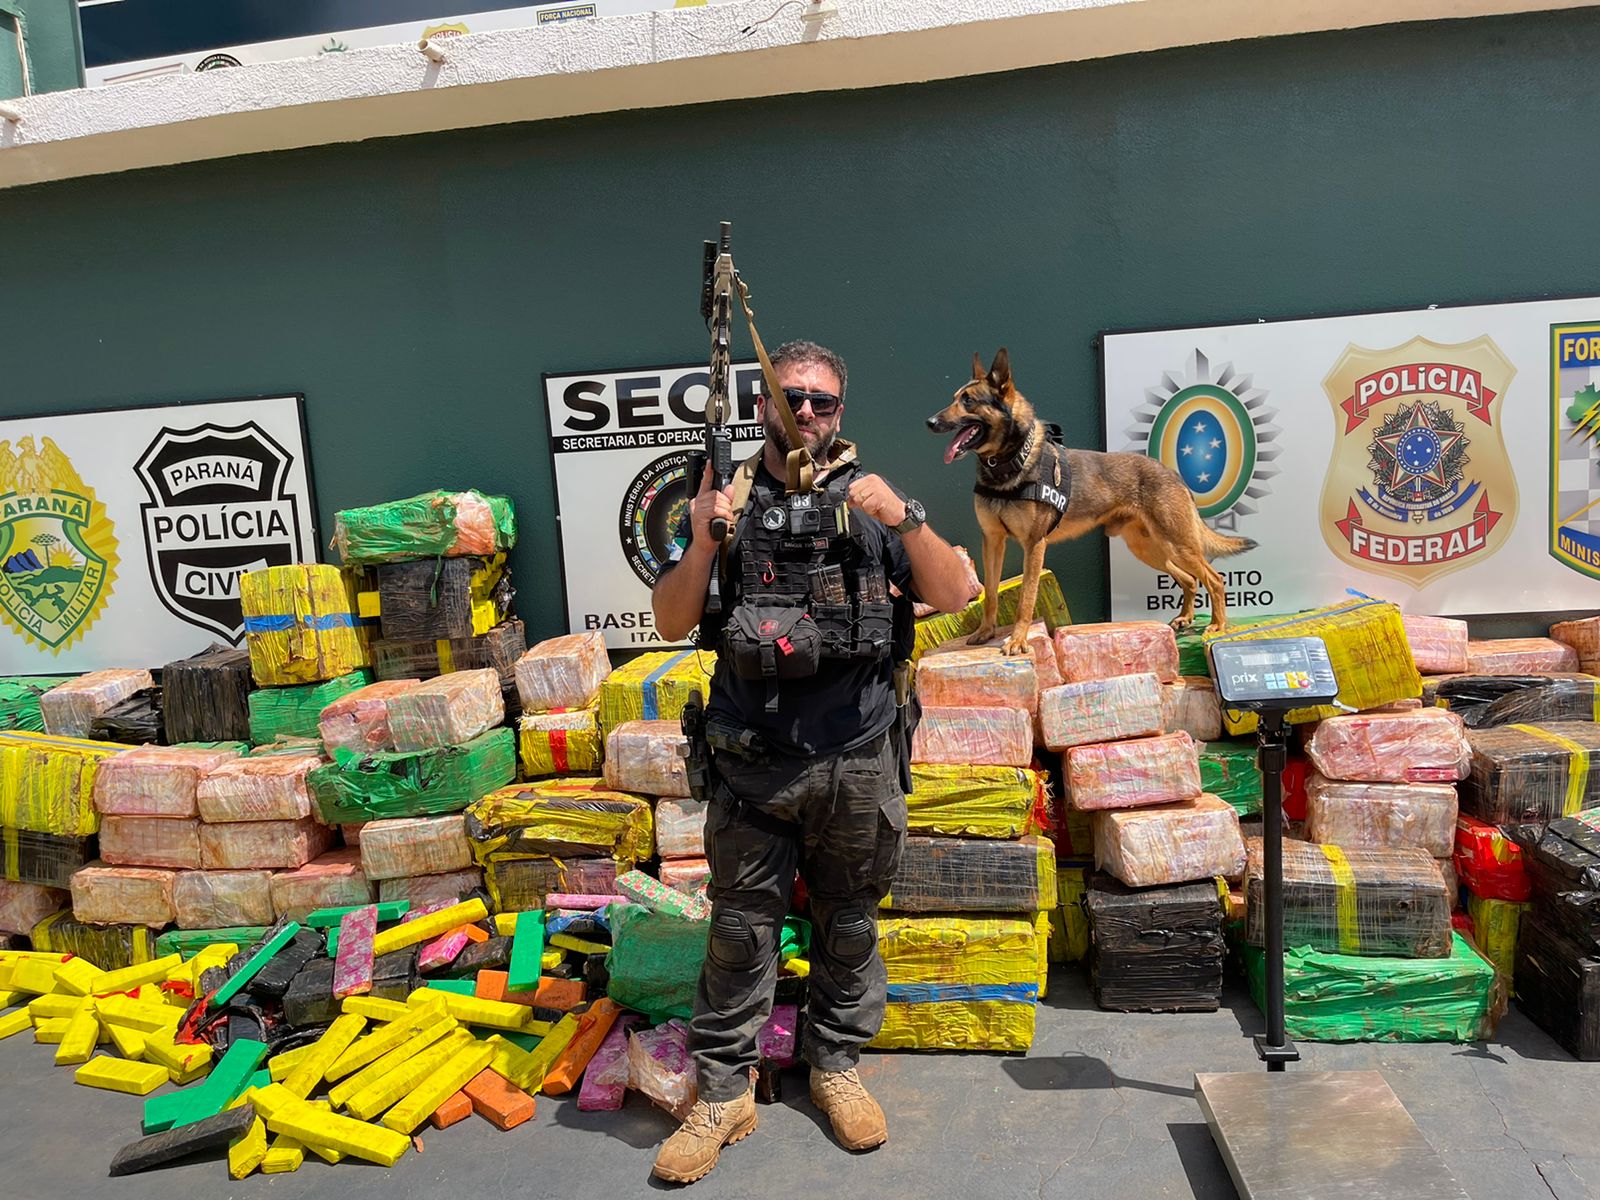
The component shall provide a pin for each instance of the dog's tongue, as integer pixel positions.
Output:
(959, 443)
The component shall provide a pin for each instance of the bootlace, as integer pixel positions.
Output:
(704, 1118)
(842, 1086)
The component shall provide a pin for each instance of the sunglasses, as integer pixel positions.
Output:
(823, 404)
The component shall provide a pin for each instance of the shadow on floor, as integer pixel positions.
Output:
(1208, 1174)
(1077, 1072)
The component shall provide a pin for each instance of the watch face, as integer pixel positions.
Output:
(915, 509)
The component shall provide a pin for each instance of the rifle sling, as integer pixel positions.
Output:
(801, 470)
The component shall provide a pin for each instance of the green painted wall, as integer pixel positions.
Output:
(415, 289)
(55, 48)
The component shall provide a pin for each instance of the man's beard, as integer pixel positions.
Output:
(780, 438)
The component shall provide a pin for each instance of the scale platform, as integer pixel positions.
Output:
(1317, 1135)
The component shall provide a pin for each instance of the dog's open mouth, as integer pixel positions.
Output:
(968, 436)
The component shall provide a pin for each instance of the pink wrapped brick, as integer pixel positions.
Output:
(103, 895)
(1390, 816)
(150, 842)
(442, 951)
(1519, 656)
(24, 905)
(686, 875)
(581, 902)
(658, 897)
(979, 677)
(1438, 644)
(1041, 647)
(335, 880)
(1582, 635)
(1117, 648)
(775, 1042)
(1100, 710)
(998, 737)
(447, 710)
(680, 829)
(154, 781)
(422, 890)
(391, 849)
(69, 708)
(1190, 703)
(359, 721)
(563, 672)
(264, 845)
(270, 788)
(352, 967)
(220, 899)
(645, 757)
(659, 1065)
(1423, 745)
(1133, 774)
(1172, 843)
(605, 1079)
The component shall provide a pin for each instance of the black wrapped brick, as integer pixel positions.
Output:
(212, 1133)
(273, 980)
(310, 999)
(431, 598)
(136, 721)
(1155, 949)
(206, 698)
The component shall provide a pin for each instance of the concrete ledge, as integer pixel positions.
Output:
(644, 60)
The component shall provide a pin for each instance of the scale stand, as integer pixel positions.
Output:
(1307, 1135)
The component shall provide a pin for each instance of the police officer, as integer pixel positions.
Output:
(809, 767)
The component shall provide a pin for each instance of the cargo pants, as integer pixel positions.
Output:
(841, 820)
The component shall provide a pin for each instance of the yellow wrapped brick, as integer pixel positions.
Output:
(135, 1014)
(384, 1093)
(1495, 924)
(959, 983)
(56, 1005)
(654, 687)
(325, 1051)
(14, 1023)
(1050, 606)
(1069, 929)
(279, 1066)
(128, 979)
(79, 1038)
(375, 1008)
(286, 1155)
(38, 976)
(982, 802)
(129, 1042)
(1367, 646)
(419, 1103)
(184, 1063)
(472, 1010)
(438, 1027)
(423, 929)
(560, 742)
(116, 1075)
(306, 1123)
(78, 977)
(247, 1153)
(300, 624)
(48, 1031)
(47, 782)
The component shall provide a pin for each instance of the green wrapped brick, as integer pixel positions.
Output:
(189, 942)
(1344, 998)
(655, 961)
(293, 711)
(416, 783)
(1192, 645)
(1229, 771)
(426, 526)
(19, 700)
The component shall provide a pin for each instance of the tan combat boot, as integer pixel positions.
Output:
(690, 1153)
(858, 1122)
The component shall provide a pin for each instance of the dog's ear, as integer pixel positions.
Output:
(977, 366)
(1000, 370)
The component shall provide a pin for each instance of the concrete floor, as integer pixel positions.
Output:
(1101, 1107)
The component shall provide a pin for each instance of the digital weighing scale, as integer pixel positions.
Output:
(1314, 1134)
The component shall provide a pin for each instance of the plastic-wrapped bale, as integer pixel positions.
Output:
(1424, 745)
(680, 828)
(1100, 710)
(1155, 949)
(498, 650)
(448, 710)
(218, 899)
(1519, 656)
(1558, 986)
(646, 757)
(563, 672)
(1132, 774)
(1049, 606)
(655, 960)
(521, 884)
(155, 781)
(1563, 865)
(981, 802)
(1041, 648)
(1113, 648)
(413, 783)
(1230, 771)
(1370, 902)
(443, 598)
(685, 874)
(19, 700)
(205, 698)
(1452, 885)
(660, 1067)
(1189, 703)
(1000, 737)
(433, 524)
(1367, 646)
(1494, 924)
(415, 846)
(135, 721)
(1471, 697)
(1069, 923)
(294, 747)
(981, 677)
(1419, 816)
(24, 905)
(563, 741)
(1172, 843)
(447, 887)
(1438, 644)
(47, 782)
(974, 875)
(1583, 635)
(258, 789)
(103, 895)
(69, 709)
(1344, 998)
(959, 983)
(172, 842)
(332, 880)
(1488, 862)
(300, 624)
(46, 859)
(1532, 773)
(359, 721)
(653, 687)
(293, 711)
(109, 947)
(262, 845)
(1553, 699)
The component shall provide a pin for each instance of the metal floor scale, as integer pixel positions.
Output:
(1302, 1135)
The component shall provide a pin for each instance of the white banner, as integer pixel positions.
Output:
(123, 533)
(1442, 458)
(620, 441)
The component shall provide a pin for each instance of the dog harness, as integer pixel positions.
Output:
(1057, 493)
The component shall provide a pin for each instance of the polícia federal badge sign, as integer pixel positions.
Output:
(58, 550)
(1420, 483)
(1575, 446)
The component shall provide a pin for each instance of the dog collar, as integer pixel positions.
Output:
(1016, 461)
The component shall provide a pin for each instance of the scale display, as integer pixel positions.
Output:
(1273, 673)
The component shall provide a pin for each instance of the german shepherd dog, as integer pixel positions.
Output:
(1134, 496)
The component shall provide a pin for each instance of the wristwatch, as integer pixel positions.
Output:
(916, 516)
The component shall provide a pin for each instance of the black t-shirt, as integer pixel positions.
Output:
(848, 702)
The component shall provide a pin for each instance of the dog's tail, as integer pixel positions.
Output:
(1218, 545)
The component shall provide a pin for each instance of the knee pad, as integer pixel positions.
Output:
(850, 935)
(733, 941)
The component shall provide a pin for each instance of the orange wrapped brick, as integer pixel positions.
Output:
(1520, 656)
(103, 895)
(447, 711)
(563, 672)
(334, 880)
(1100, 710)
(498, 1100)
(997, 737)
(456, 1109)
(1423, 745)
(1117, 648)
(1133, 774)
(593, 1026)
(262, 845)
(562, 995)
(150, 842)
(1170, 843)
(1190, 703)
(1438, 644)
(1041, 647)
(359, 721)
(1420, 816)
(980, 677)
(644, 757)
(270, 788)
(154, 781)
